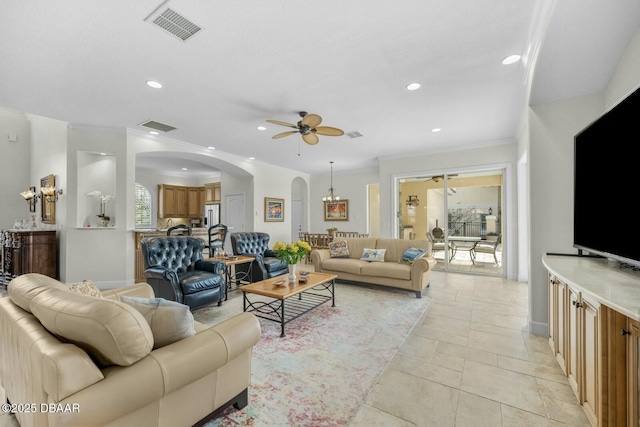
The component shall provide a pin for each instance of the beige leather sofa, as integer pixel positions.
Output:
(391, 272)
(60, 384)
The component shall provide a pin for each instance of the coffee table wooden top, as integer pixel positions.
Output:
(268, 287)
(236, 259)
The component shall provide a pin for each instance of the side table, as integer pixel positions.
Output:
(236, 277)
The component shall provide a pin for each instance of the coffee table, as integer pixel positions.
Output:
(287, 302)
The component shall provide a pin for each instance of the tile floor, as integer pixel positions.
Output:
(471, 362)
(468, 362)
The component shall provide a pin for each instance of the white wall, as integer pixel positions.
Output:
(351, 186)
(15, 173)
(552, 128)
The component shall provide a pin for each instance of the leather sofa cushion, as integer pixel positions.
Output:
(110, 331)
(24, 288)
(170, 321)
(197, 280)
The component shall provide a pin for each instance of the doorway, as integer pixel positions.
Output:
(461, 214)
(234, 218)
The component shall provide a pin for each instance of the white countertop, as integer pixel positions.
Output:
(616, 286)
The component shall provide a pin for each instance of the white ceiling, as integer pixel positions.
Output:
(87, 63)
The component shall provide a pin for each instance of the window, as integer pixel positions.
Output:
(143, 206)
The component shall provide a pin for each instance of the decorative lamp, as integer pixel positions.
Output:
(31, 197)
(490, 211)
(413, 201)
(331, 197)
(50, 193)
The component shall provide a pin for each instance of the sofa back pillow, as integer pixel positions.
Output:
(373, 255)
(356, 245)
(396, 247)
(170, 321)
(339, 249)
(410, 255)
(112, 332)
(24, 288)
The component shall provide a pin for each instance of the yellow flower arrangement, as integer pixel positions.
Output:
(292, 253)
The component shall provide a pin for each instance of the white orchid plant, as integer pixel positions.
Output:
(104, 199)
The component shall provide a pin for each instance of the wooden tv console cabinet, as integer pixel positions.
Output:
(594, 332)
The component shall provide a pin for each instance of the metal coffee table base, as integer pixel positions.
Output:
(287, 309)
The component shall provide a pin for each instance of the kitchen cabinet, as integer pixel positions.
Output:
(176, 201)
(213, 193)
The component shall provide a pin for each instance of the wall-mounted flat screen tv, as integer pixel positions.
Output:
(607, 184)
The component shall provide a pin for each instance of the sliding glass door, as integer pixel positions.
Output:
(461, 213)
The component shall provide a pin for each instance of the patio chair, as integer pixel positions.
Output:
(487, 247)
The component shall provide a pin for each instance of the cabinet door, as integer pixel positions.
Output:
(573, 346)
(208, 193)
(589, 314)
(193, 202)
(168, 201)
(181, 198)
(561, 330)
(553, 313)
(633, 373)
(217, 193)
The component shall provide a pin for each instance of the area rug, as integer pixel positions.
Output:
(322, 371)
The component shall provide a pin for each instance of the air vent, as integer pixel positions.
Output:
(157, 126)
(172, 22)
(354, 134)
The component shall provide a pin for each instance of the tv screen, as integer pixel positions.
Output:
(607, 179)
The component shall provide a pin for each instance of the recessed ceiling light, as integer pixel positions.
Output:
(434, 130)
(103, 154)
(154, 84)
(211, 148)
(413, 86)
(153, 132)
(252, 158)
(261, 128)
(185, 169)
(511, 59)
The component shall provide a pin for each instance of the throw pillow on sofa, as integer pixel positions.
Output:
(86, 287)
(373, 255)
(411, 254)
(339, 249)
(170, 321)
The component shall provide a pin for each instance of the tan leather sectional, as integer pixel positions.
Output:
(391, 272)
(62, 384)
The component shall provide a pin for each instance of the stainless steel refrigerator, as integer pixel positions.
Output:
(211, 215)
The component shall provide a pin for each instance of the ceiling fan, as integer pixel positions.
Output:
(308, 127)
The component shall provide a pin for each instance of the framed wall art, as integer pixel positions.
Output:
(273, 209)
(336, 211)
(47, 209)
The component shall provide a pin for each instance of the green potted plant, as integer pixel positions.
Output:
(332, 230)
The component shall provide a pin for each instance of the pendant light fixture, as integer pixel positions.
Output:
(331, 197)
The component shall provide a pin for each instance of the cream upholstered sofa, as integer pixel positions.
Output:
(414, 277)
(63, 384)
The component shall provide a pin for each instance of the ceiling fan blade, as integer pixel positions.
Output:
(310, 138)
(311, 120)
(329, 131)
(283, 134)
(277, 122)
